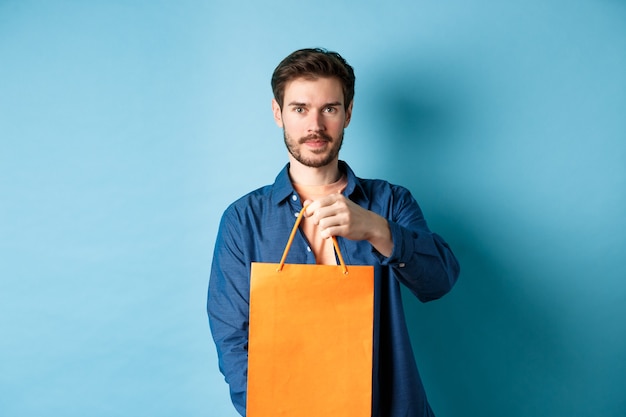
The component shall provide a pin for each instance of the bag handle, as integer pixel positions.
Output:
(293, 234)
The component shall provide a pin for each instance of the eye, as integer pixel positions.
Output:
(330, 110)
(298, 109)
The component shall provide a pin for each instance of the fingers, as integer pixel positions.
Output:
(332, 226)
(318, 207)
(308, 212)
(336, 215)
(314, 209)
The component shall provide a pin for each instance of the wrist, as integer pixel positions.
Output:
(379, 235)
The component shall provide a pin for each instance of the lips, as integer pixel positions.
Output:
(316, 145)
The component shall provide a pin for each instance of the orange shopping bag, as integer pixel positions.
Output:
(310, 339)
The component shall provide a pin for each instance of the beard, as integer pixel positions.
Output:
(322, 156)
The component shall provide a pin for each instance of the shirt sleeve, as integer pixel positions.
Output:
(227, 307)
(420, 259)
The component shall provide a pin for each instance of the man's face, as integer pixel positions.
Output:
(313, 118)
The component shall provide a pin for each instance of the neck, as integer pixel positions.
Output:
(302, 174)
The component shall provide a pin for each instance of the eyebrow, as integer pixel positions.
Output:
(298, 104)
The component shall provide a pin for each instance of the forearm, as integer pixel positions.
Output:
(227, 308)
(422, 261)
(379, 235)
(231, 343)
(233, 362)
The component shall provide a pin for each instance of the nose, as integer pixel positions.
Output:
(316, 122)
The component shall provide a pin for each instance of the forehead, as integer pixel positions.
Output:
(322, 89)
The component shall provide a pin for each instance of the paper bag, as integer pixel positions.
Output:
(310, 339)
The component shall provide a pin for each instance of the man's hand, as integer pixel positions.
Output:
(337, 215)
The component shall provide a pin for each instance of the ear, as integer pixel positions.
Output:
(278, 117)
(348, 114)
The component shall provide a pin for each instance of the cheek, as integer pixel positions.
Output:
(337, 126)
(289, 131)
(291, 124)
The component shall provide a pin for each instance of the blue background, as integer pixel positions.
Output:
(127, 127)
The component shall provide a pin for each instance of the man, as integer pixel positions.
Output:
(376, 223)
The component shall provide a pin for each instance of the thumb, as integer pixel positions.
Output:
(306, 205)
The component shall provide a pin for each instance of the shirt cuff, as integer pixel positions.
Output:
(406, 243)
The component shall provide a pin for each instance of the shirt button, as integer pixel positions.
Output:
(294, 197)
(296, 214)
(402, 265)
(308, 248)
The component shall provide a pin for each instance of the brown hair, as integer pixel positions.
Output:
(313, 63)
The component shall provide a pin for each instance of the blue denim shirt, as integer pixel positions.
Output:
(255, 228)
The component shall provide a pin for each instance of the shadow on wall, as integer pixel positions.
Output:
(489, 348)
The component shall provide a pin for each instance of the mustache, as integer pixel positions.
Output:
(316, 136)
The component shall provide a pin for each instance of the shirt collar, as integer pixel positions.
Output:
(283, 189)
